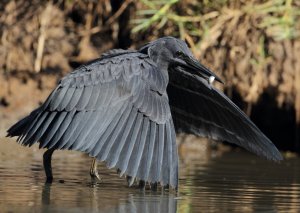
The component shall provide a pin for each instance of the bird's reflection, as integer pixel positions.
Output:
(97, 198)
(147, 204)
(46, 193)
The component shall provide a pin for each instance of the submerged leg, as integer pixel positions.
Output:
(47, 164)
(130, 180)
(142, 184)
(153, 186)
(94, 171)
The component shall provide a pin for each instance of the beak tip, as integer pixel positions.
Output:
(211, 79)
(219, 80)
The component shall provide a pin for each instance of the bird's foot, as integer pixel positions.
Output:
(94, 171)
(95, 175)
(130, 180)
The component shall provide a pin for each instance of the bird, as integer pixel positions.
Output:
(126, 107)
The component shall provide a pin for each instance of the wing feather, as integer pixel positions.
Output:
(31, 136)
(59, 97)
(96, 130)
(75, 99)
(46, 124)
(67, 98)
(66, 141)
(174, 165)
(167, 155)
(130, 143)
(211, 113)
(110, 128)
(116, 156)
(91, 105)
(55, 124)
(97, 142)
(151, 149)
(115, 109)
(139, 148)
(63, 127)
(116, 134)
(85, 98)
(103, 118)
(161, 140)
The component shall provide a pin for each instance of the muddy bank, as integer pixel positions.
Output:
(19, 95)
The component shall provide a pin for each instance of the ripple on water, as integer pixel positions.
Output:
(234, 182)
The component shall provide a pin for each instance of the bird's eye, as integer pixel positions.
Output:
(179, 53)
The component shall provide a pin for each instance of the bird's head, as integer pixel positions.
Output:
(173, 52)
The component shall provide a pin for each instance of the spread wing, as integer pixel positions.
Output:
(200, 109)
(115, 109)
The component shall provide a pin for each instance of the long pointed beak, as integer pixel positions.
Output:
(193, 66)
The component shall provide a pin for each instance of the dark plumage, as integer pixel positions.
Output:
(120, 109)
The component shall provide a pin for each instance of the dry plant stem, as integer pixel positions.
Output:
(44, 20)
(111, 20)
(40, 49)
(88, 22)
(119, 12)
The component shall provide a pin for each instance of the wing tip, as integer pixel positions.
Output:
(277, 157)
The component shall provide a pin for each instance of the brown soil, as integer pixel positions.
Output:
(19, 95)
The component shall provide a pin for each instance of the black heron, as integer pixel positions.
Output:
(126, 107)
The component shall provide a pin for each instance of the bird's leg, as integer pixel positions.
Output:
(94, 171)
(130, 180)
(142, 184)
(47, 164)
(153, 186)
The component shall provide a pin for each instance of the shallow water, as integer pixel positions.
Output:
(232, 182)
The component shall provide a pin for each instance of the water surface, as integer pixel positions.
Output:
(232, 182)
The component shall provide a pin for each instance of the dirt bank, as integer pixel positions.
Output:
(19, 95)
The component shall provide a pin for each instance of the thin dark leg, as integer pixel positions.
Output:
(153, 186)
(142, 184)
(130, 180)
(47, 164)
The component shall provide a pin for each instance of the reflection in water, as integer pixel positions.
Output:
(148, 204)
(111, 201)
(46, 194)
(239, 182)
(234, 182)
